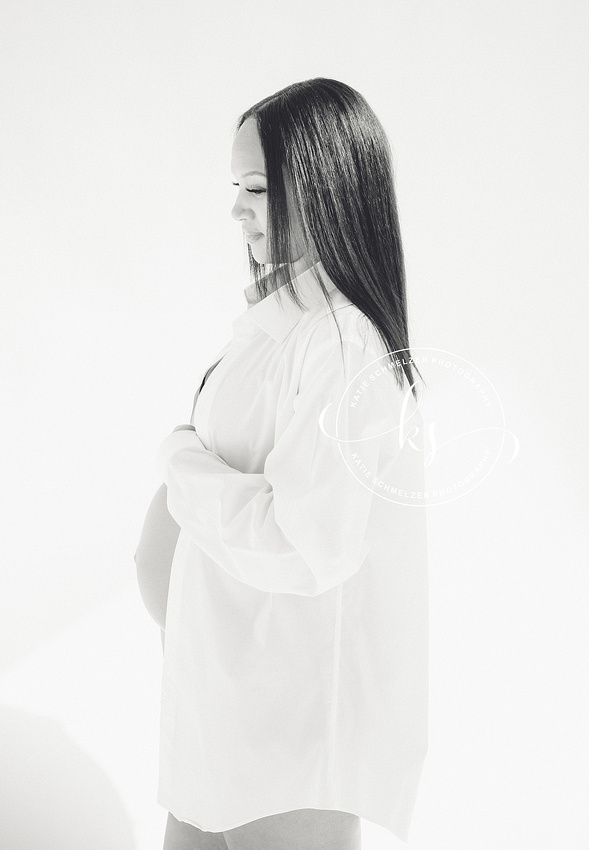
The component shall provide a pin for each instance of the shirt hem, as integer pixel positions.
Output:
(401, 834)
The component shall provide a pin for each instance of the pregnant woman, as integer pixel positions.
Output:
(283, 555)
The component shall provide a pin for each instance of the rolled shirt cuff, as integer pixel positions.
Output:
(174, 442)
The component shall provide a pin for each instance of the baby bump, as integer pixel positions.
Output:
(154, 555)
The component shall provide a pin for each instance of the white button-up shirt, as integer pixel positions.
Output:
(295, 664)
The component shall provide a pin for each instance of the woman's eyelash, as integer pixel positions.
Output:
(253, 191)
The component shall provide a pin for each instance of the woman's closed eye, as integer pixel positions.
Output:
(252, 191)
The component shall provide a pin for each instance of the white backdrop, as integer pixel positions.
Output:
(121, 272)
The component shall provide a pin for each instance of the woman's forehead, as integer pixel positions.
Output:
(247, 155)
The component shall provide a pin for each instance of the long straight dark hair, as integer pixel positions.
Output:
(338, 159)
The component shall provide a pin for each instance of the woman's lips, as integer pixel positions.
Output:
(253, 237)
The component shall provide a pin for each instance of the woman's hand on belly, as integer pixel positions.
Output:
(154, 555)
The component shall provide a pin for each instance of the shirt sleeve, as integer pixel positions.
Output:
(300, 526)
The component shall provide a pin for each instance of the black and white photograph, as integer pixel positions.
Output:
(295, 537)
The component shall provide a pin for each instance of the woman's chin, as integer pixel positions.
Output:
(258, 250)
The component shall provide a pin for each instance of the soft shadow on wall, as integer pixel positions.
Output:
(52, 794)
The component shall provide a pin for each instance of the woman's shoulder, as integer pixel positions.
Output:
(327, 312)
(339, 357)
(321, 328)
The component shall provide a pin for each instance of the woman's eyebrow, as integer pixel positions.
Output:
(247, 173)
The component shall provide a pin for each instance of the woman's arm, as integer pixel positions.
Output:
(300, 526)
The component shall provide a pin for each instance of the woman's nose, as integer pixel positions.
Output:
(240, 211)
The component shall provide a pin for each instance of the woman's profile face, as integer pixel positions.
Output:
(249, 170)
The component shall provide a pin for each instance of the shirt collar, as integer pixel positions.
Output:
(278, 318)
